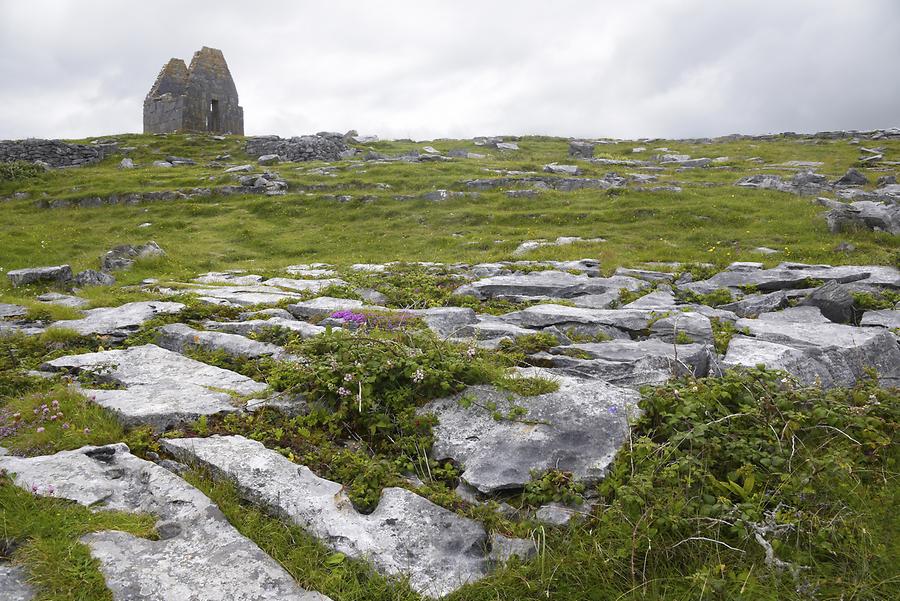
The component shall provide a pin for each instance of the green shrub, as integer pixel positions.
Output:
(19, 170)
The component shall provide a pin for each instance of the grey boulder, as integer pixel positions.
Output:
(92, 277)
(852, 178)
(124, 256)
(256, 326)
(577, 429)
(864, 214)
(9, 310)
(14, 583)
(57, 274)
(794, 275)
(833, 300)
(884, 318)
(326, 305)
(754, 304)
(545, 284)
(448, 321)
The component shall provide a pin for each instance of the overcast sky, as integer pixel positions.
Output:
(459, 68)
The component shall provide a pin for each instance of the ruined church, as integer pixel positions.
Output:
(199, 98)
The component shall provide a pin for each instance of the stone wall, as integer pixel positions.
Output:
(321, 147)
(164, 113)
(53, 152)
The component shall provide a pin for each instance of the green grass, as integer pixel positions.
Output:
(41, 533)
(674, 517)
(702, 224)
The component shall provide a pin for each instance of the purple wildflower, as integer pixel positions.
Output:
(40, 429)
(343, 391)
(358, 318)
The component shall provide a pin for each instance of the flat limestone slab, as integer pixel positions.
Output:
(795, 275)
(551, 283)
(161, 388)
(179, 337)
(406, 535)
(242, 296)
(326, 305)
(885, 318)
(14, 584)
(664, 325)
(631, 362)
(9, 310)
(254, 326)
(118, 321)
(841, 364)
(577, 429)
(305, 285)
(199, 557)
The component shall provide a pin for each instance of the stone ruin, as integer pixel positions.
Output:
(199, 98)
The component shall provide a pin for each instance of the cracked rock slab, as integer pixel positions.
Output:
(577, 429)
(160, 388)
(326, 305)
(795, 275)
(199, 555)
(829, 353)
(543, 284)
(179, 337)
(118, 321)
(255, 326)
(630, 362)
(406, 535)
(242, 296)
(659, 324)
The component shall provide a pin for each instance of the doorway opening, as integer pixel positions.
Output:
(212, 117)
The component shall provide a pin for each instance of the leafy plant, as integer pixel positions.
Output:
(552, 486)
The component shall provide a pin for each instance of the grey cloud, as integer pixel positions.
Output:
(436, 69)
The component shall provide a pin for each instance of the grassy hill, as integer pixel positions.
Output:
(709, 221)
(713, 466)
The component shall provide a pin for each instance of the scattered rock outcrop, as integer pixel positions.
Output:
(124, 256)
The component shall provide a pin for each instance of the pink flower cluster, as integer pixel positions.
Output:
(50, 413)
